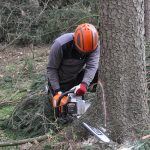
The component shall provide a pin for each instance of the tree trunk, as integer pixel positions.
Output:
(123, 67)
(147, 20)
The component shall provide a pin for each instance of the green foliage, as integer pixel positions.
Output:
(14, 85)
(31, 117)
(28, 67)
(48, 147)
(25, 23)
(26, 84)
(5, 111)
(38, 82)
(10, 148)
(6, 82)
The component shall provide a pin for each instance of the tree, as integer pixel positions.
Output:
(147, 20)
(121, 105)
(123, 67)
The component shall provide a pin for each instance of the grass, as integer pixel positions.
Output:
(19, 79)
(11, 90)
(10, 148)
(5, 111)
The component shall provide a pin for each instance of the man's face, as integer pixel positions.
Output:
(80, 52)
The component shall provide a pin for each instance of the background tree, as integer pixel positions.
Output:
(23, 22)
(147, 20)
(123, 67)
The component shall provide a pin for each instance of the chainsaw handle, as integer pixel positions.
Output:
(64, 94)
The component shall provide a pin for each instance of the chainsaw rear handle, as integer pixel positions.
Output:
(64, 94)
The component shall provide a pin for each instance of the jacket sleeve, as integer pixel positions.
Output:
(54, 60)
(91, 66)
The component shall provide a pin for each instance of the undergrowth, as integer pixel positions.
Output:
(19, 80)
(22, 80)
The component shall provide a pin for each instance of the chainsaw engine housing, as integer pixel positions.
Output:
(75, 107)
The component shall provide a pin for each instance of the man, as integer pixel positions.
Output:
(73, 60)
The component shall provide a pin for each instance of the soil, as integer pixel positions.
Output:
(13, 54)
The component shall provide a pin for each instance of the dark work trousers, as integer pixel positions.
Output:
(68, 85)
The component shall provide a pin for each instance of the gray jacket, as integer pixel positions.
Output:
(65, 63)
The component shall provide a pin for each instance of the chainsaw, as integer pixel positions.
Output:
(73, 107)
(69, 106)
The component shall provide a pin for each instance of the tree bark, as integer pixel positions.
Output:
(147, 20)
(123, 67)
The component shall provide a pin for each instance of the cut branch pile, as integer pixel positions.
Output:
(33, 116)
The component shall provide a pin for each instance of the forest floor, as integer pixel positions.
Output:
(21, 70)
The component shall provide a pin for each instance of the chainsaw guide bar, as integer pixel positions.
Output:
(97, 132)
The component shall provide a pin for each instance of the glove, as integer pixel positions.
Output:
(81, 89)
(55, 99)
(63, 101)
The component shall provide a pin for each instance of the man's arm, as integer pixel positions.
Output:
(91, 66)
(54, 60)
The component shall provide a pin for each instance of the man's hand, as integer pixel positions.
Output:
(81, 89)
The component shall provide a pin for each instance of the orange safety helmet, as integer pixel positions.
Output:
(86, 38)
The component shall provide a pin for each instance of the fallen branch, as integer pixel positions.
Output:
(19, 142)
(3, 103)
(146, 137)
